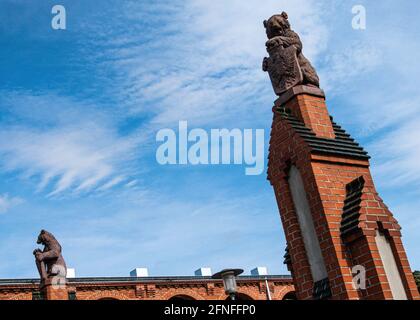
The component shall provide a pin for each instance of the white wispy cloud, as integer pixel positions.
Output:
(209, 67)
(7, 202)
(372, 73)
(67, 151)
(357, 58)
(201, 60)
(398, 154)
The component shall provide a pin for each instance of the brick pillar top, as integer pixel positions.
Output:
(307, 103)
(58, 291)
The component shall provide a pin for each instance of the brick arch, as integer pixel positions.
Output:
(181, 297)
(103, 295)
(279, 294)
(181, 292)
(248, 293)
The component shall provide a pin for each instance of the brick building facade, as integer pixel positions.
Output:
(155, 288)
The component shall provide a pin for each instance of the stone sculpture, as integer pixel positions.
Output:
(286, 64)
(49, 261)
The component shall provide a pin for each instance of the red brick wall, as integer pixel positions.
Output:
(160, 290)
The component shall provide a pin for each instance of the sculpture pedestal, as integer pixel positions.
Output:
(54, 291)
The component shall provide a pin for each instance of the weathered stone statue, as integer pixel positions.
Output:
(286, 65)
(49, 261)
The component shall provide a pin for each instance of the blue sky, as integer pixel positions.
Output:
(80, 108)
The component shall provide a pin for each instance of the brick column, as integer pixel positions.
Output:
(344, 213)
(308, 105)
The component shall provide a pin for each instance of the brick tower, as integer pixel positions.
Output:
(333, 218)
(336, 225)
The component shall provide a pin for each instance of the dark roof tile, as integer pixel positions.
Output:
(343, 144)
